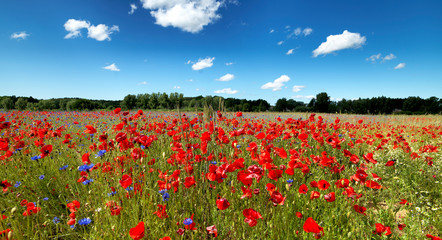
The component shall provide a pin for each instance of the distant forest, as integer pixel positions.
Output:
(164, 101)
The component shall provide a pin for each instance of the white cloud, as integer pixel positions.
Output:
(277, 84)
(100, 32)
(399, 66)
(133, 7)
(297, 31)
(335, 99)
(297, 88)
(389, 57)
(289, 52)
(74, 26)
(227, 91)
(272, 31)
(190, 80)
(176, 87)
(280, 42)
(142, 83)
(203, 63)
(307, 31)
(374, 58)
(303, 97)
(20, 35)
(229, 63)
(226, 78)
(188, 15)
(112, 67)
(338, 42)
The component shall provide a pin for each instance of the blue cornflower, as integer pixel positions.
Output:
(56, 220)
(84, 221)
(41, 177)
(187, 221)
(129, 188)
(162, 191)
(45, 199)
(166, 197)
(289, 180)
(17, 184)
(143, 147)
(238, 146)
(85, 167)
(100, 153)
(64, 167)
(35, 157)
(111, 194)
(86, 182)
(213, 162)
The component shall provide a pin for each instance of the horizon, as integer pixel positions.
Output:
(234, 49)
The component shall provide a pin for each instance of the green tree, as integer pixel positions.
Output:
(21, 104)
(129, 102)
(322, 102)
(7, 103)
(281, 105)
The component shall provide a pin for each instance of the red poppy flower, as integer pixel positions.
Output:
(90, 129)
(311, 226)
(222, 204)
(137, 232)
(165, 238)
(45, 151)
(330, 197)
(372, 184)
(125, 181)
(303, 189)
(401, 226)
(211, 230)
(85, 158)
(380, 229)
(275, 174)
(239, 114)
(390, 163)
(277, 198)
(432, 237)
(161, 212)
(323, 185)
(360, 209)
(251, 216)
(298, 214)
(117, 110)
(314, 195)
(189, 181)
(342, 183)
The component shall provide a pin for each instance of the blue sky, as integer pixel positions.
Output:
(244, 49)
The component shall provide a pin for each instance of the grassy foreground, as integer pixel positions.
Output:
(141, 175)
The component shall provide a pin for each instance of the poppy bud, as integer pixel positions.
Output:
(13, 210)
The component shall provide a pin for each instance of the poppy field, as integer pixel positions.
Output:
(163, 175)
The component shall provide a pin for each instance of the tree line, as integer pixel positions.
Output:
(164, 101)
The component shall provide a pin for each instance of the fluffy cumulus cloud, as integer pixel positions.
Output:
(133, 7)
(339, 42)
(277, 84)
(299, 32)
(112, 67)
(176, 87)
(307, 31)
(389, 57)
(203, 63)
(399, 66)
(188, 15)
(280, 42)
(226, 78)
(374, 58)
(290, 52)
(99, 32)
(226, 91)
(20, 35)
(303, 97)
(297, 88)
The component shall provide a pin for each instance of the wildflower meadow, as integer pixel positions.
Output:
(168, 175)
